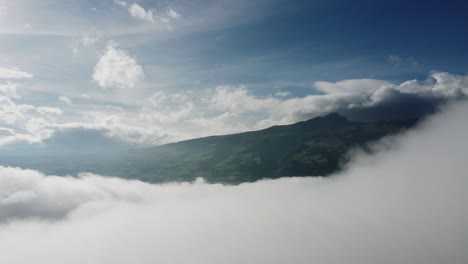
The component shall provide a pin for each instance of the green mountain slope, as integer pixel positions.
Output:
(310, 148)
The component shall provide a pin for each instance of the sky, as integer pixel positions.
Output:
(388, 207)
(145, 73)
(109, 75)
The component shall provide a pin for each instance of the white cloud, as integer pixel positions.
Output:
(148, 15)
(9, 90)
(117, 69)
(173, 14)
(25, 123)
(28, 26)
(86, 40)
(120, 3)
(65, 100)
(13, 73)
(387, 208)
(140, 13)
(282, 94)
(89, 40)
(353, 86)
(167, 117)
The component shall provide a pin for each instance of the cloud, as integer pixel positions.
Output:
(360, 99)
(89, 40)
(148, 15)
(120, 3)
(282, 94)
(9, 90)
(13, 73)
(86, 40)
(399, 61)
(140, 13)
(65, 100)
(23, 122)
(117, 69)
(173, 14)
(166, 117)
(169, 117)
(390, 207)
(353, 86)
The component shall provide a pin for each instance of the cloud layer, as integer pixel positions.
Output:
(405, 204)
(164, 117)
(230, 109)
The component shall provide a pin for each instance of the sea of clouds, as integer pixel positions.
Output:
(405, 203)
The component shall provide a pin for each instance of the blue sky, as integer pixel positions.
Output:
(152, 72)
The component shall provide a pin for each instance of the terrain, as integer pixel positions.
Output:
(316, 147)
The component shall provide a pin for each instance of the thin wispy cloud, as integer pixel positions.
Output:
(141, 13)
(13, 73)
(89, 40)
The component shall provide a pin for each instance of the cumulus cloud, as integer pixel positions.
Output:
(173, 14)
(360, 99)
(390, 207)
(13, 73)
(23, 122)
(65, 100)
(117, 69)
(140, 13)
(9, 90)
(167, 117)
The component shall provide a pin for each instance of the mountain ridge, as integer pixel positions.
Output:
(315, 147)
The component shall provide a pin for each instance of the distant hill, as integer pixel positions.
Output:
(309, 148)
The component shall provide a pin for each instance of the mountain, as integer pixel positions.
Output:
(309, 148)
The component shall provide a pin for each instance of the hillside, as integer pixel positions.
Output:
(309, 148)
